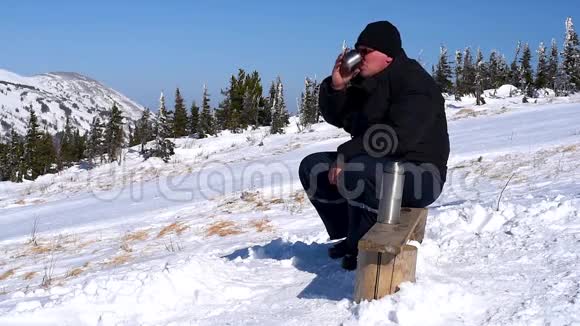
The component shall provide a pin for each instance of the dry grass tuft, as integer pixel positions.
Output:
(465, 112)
(223, 228)
(84, 244)
(7, 274)
(74, 272)
(569, 148)
(125, 247)
(20, 202)
(28, 276)
(44, 248)
(119, 260)
(262, 207)
(277, 201)
(175, 227)
(299, 197)
(136, 236)
(262, 225)
(249, 196)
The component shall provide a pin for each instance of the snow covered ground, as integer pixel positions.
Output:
(223, 235)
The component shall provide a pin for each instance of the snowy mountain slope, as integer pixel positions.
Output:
(222, 235)
(53, 96)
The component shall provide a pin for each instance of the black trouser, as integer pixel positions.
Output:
(348, 209)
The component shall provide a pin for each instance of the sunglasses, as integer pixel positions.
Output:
(364, 51)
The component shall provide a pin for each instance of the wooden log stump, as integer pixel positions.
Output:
(385, 260)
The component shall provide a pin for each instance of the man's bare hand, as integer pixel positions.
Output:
(334, 171)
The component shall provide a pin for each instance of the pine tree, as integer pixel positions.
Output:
(553, 63)
(303, 107)
(132, 134)
(168, 114)
(562, 84)
(280, 116)
(114, 135)
(237, 122)
(308, 106)
(16, 163)
(80, 145)
(32, 163)
(207, 124)
(458, 88)
(161, 107)
(226, 115)
(194, 119)
(504, 71)
(484, 70)
(66, 152)
(309, 101)
(144, 130)
(571, 56)
(249, 109)
(479, 79)
(252, 100)
(527, 79)
(46, 153)
(180, 118)
(514, 77)
(315, 96)
(232, 113)
(95, 141)
(164, 147)
(494, 70)
(442, 74)
(542, 68)
(468, 80)
(302, 113)
(4, 163)
(265, 114)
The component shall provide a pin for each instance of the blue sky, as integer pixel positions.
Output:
(143, 47)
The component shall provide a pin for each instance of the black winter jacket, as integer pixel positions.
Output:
(404, 97)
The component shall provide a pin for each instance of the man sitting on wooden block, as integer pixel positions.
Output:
(393, 110)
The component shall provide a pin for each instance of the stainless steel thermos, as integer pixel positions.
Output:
(391, 193)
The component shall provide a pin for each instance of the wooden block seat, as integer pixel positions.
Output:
(385, 260)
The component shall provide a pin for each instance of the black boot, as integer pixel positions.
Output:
(349, 262)
(338, 250)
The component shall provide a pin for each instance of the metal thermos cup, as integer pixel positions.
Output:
(351, 60)
(391, 193)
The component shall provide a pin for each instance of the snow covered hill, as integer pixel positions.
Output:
(223, 235)
(53, 96)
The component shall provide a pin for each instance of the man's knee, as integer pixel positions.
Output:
(313, 164)
(308, 163)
